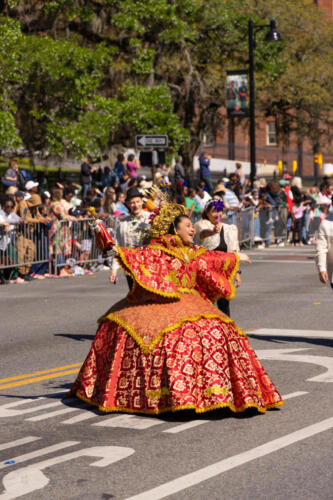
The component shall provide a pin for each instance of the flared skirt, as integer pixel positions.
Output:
(201, 365)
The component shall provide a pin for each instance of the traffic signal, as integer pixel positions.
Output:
(294, 167)
(318, 158)
(280, 166)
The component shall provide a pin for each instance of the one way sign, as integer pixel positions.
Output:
(150, 141)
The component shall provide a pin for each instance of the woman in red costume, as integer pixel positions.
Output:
(166, 347)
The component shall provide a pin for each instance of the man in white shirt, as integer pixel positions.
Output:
(324, 249)
(8, 225)
(232, 204)
(130, 228)
(202, 198)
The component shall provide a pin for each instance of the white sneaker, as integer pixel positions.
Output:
(261, 247)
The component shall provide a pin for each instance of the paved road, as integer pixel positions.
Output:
(66, 450)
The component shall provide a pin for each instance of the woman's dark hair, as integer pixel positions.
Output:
(42, 207)
(96, 203)
(130, 157)
(69, 190)
(208, 208)
(120, 157)
(133, 182)
(176, 223)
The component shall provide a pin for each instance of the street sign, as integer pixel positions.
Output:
(151, 141)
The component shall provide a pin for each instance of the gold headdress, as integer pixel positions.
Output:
(163, 217)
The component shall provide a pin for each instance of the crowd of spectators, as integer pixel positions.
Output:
(46, 232)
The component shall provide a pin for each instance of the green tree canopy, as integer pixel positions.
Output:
(101, 71)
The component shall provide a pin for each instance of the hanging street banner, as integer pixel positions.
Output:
(237, 94)
(151, 141)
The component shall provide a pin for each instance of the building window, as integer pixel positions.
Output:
(271, 134)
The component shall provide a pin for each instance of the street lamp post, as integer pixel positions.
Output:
(272, 36)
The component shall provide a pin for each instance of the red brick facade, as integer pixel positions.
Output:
(326, 6)
(266, 151)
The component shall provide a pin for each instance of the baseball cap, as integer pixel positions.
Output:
(30, 185)
(287, 177)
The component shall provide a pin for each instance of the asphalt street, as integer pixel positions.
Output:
(66, 450)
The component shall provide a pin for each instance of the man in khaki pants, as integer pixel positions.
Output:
(325, 249)
(26, 246)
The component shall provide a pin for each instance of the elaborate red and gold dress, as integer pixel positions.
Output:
(166, 347)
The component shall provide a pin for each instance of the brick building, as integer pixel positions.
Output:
(233, 142)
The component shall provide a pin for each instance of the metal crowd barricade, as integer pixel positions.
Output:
(75, 240)
(245, 224)
(23, 246)
(33, 247)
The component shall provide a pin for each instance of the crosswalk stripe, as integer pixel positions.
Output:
(18, 442)
(129, 422)
(13, 404)
(195, 423)
(45, 416)
(38, 453)
(294, 395)
(187, 425)
(279, 261)
(79, 418)
(276, 332)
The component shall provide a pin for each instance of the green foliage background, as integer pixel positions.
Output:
(78, 77)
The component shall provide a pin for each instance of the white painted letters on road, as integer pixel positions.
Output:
(292, 355)
(31, 478)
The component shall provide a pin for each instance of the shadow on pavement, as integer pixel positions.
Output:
(75, 336)
(280, 339)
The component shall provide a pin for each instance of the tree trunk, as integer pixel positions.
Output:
(188, 152)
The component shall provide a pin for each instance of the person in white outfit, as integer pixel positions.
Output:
(214, 235)
(130, 229)
(324, 247)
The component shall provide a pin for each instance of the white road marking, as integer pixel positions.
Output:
(288, 355)
(39, 453)
(79, 418)
(195, 423)
(278, 261)
(308, 334)
(51, 414)
(130, 422)
(187, 425)
(29, 479)
(294, 395)
(5, 412)
(18, 442)
(198, 476)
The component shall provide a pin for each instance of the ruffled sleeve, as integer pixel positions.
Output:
(149, 269)
(215, 274)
